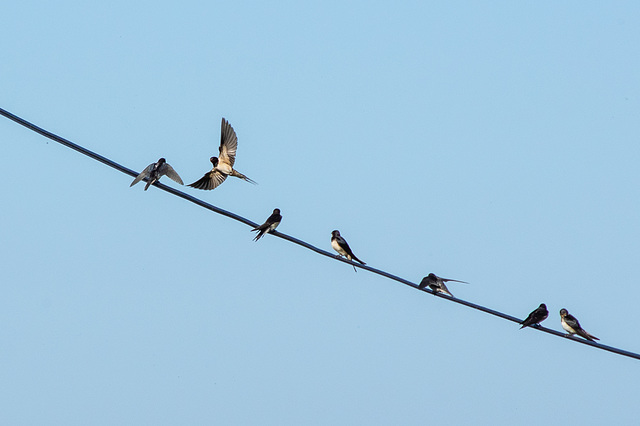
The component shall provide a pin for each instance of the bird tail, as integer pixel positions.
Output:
(149, 182)
(587, 335)
(262, 229)
(243, 177)
(358, 260)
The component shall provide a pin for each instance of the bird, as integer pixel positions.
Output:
(536, 316)
(155, 171)
(269, 225)
(340, 245)
(437, 284)
(572, 326)
(222, 165)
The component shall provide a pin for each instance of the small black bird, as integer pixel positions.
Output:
(222, 165)
(340, 245)
(155, 171)
(536, 317)
(270, 225)
(572, 326)
(437, 284)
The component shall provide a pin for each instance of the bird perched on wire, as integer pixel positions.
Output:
(437, 284)
(155, 171)
(572, 326)
(269, 225)
(223, 164)
(340, 245)
(536, 316)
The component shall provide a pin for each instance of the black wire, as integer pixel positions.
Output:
(304, 244)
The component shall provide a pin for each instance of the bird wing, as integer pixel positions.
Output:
(348, 250)
(425, 282)
(263, 226)
(211, 180)
(274, 218)
(572, 322)
(528, 320)
(166, 169)
(143, 174)
(343, 244)
(541, 313)
(228, 143)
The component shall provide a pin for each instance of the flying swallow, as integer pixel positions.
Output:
(536, 317)
(437, 284)
(270, 225)
(340, 245)
(155, 171)
(572, 326)
(223, 164)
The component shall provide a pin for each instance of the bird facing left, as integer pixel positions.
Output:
(223, 163)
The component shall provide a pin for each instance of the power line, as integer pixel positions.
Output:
(294, 240)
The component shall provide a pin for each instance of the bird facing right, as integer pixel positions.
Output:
(536, 316)
(269, 225)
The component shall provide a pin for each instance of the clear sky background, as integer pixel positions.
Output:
(495, 143)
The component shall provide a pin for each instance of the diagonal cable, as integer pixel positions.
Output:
(294, 240)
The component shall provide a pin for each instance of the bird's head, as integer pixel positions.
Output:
(543, 306)
(276, 211)
(563, 312)
(335, 233)
(162, 161)
(214, 161)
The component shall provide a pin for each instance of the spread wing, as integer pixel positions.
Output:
(228, 143)
(166, 169)
(143, 174)
(455, 281)
(209, 181)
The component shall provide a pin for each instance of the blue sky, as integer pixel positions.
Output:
(492, 143)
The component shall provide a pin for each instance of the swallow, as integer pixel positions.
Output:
(223, 164)
(340, 245)
(155, 171)
(270, 224)
(572, 326)
(437, 284)
(536, 317)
